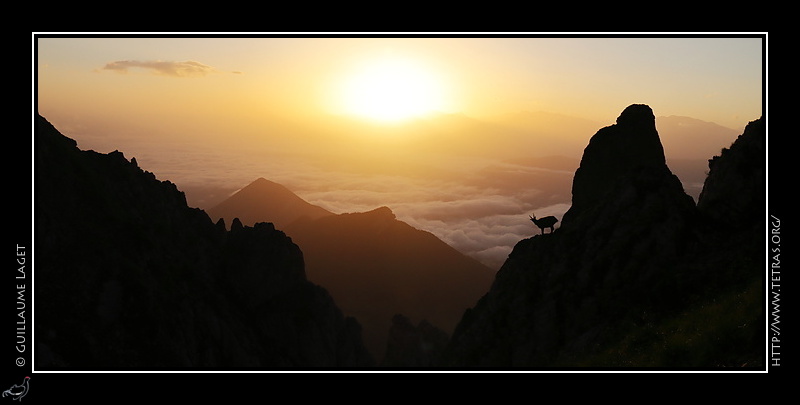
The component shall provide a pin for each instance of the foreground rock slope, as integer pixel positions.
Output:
(637, 274)
(129, 277)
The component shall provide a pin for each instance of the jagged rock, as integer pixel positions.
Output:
(128, 276)
(738, 169)
(631, 145)
(633, 250)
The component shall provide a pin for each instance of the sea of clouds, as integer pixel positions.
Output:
(479, 208)
(479, 204)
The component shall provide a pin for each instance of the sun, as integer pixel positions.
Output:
(391, 90)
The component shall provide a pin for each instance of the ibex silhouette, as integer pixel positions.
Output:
(546, 222)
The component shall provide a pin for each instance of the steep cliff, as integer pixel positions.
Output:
(634, 257)
(129, 277)
(739, 170)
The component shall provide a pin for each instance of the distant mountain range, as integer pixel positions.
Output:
(690, 138)
(374, 265)
(539, 133)
(688, 143)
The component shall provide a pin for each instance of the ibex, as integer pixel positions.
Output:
(546, 222)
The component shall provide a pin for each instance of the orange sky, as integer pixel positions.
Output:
(713, 79)
(310, 112)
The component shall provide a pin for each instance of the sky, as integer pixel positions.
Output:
(443, 130)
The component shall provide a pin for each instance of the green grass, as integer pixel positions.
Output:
(723, 332)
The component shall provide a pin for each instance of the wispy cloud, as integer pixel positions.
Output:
(167, 68)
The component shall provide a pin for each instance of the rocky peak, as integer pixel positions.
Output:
(266, 201)
(620, 150)
(640, 115)
(633, 248)
(384, 213)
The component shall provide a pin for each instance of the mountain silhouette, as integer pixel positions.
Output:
(373, 265)
(129, 277)
(637, 275)
(690, 138)
(265, 201)
(376, 266)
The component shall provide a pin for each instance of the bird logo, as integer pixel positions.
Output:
(18, 390)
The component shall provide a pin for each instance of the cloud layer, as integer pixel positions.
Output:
(479, 204)
(481, 210)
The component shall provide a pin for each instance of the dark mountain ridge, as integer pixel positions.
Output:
(376, 266)
(129, 277)
(637, 274)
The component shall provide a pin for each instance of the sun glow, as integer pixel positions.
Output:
(392, 90)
